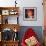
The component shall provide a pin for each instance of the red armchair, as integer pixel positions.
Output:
(28, 34)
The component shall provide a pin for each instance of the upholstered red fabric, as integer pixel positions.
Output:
(29, 33)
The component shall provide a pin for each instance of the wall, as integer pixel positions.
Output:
(45, 13)
(38, 5)
(45, 22)
(26, 3)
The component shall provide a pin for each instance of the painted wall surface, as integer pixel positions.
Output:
(26, 3)
(45, 13)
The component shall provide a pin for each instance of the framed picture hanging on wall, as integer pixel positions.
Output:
(30, 13)
(5, 12)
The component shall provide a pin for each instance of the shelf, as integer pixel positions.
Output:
(10, 41)
(11, 26)
(7, 16)
(6, 12)
(9, 10)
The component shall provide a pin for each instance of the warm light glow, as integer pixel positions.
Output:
(15, 30)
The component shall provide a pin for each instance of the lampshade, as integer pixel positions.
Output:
(15, 30)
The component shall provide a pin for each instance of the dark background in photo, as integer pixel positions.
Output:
(29, 11)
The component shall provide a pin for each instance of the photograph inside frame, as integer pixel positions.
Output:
(30, 13)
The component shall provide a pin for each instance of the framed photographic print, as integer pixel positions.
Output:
(30, 13)
(5, 12)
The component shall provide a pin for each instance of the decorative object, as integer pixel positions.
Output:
(5, 19)
(15, 37)
(31, 41)
(13, 12)
(30, 38)
(30, 13)
(5, 12)
(15, 3)
(7, 34)
(15, 34)
(15, 30)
